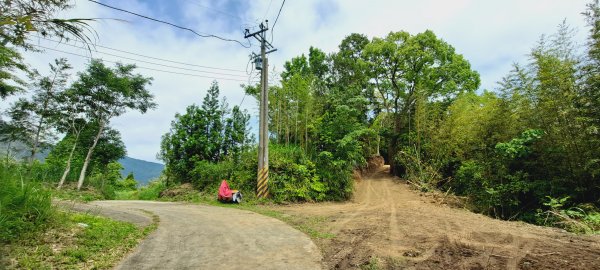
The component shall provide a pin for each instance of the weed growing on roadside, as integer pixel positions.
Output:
(79, 241)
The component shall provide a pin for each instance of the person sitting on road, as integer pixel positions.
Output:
(228, 195)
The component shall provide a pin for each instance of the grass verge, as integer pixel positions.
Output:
(72, 194)
(312, 226)
(78, 241)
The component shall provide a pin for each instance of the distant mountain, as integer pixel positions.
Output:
(143, 171)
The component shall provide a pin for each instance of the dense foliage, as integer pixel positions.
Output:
(330, 113)
(204, 134)
(517, 151)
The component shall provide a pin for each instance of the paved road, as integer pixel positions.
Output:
(208, 237)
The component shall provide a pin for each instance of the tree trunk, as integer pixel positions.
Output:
(37, 140)
(8, 150)
(68, 168)
(296, 133)
(88, 157)
(41, 123)
(305, 131)
(378, 143)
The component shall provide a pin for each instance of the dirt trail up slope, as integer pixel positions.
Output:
(208, 237)
(398, 228)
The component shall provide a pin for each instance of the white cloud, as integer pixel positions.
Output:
(490, 34)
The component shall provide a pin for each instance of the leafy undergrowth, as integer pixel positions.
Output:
(77, 241)
(581, 219)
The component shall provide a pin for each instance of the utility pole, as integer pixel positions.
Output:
(261, 62)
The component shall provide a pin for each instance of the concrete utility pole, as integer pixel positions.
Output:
(261, 62)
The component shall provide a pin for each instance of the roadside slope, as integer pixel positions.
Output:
(395, 227)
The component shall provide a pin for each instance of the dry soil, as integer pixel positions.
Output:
(391, 226)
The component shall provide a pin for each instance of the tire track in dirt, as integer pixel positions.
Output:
(406, 229)
(394, 234)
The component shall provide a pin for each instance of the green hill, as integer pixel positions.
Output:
(142, 170)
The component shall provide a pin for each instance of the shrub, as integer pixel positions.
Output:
(208, 175)
(152, 190)
(128, 183)
(24, 205)
(335, 175)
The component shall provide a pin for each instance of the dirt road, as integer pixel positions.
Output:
(390, 225)
(207, 237)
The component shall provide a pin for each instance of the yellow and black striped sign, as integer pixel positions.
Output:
(262, 189)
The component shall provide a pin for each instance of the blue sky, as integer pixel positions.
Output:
(492, 35)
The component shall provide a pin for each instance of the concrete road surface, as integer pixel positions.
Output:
(208, 237)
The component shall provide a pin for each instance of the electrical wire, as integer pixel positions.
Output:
(278, 13)
(150, 57)
(171, 24)
(141, 67)
(250, 81)
(157, 64)
(268, 8)
(250, 58)
(155, 58)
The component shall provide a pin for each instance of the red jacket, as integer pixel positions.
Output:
(225, 193)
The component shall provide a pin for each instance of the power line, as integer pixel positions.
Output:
(250, 81)
(273, 27)
(158, 64)
(171, 24)
(150, 57)
(160, 70)
(268, 8)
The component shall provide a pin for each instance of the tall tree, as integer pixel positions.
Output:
(406, 67)
(107, 93)
(70, 152)
(44, 102)
(590, 102)
(349, 78)
(236, 133)
(206, 133)
(71, 121)
(214, 112)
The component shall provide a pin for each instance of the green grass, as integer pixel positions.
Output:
(126, 195)
(373, 264)
(79, 241)
(312, 226)
(84, 195)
